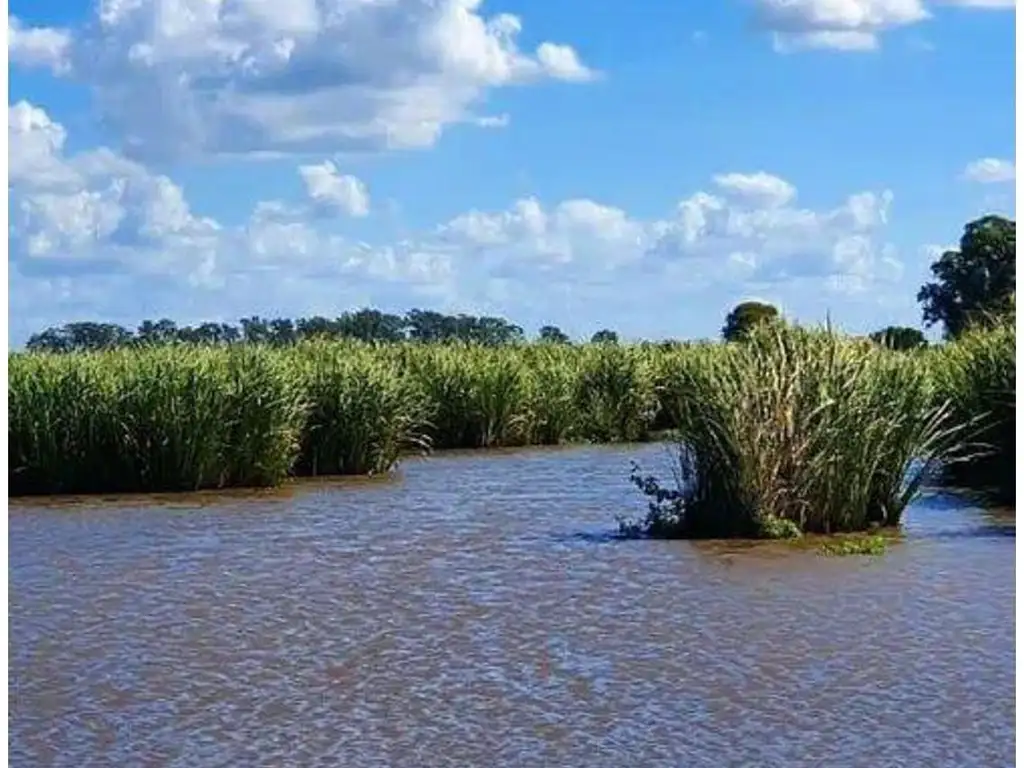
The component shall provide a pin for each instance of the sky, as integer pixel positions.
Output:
(639, 166)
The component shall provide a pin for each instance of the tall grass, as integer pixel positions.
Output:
(977, 375)
(364, 411)
(793, 431)
(165, 419)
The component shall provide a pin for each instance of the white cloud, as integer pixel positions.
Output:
(266, 77)
(848, 25)
(773, 242)
(838, 24)
(561, 62)
(46, 47)
(333, 191)
(101, 236)
(990, 170)
(760, 187)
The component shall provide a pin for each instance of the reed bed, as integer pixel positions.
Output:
(797, 430)
(185, 417)
(169, 419)
(977, 376)
(792, 430)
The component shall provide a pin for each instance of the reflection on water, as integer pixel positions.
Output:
(475, 611)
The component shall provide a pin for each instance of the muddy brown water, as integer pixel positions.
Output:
(475, 611)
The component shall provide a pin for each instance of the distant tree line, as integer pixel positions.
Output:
(973, 285)
(368, 325)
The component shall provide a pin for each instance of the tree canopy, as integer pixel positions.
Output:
(900, 338)
(552, 334)
(744, 317)
(369, 325)
(605, 336)
(977, 281)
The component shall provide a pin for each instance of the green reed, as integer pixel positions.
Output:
(792, 430)
(796, 430)
(977, 375)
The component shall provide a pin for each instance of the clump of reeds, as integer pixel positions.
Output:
(615, 393)
(977, 375)
(796, 430)
(151, 420)
(477, 394)
(364, 410)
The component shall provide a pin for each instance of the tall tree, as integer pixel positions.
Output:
(552, 334)
(745, 317)
(605, 336)
(80, 337)
(975, 282)
(159, 332)
(255, 330)
(900, 338)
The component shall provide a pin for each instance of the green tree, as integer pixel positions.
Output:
(900, 338)
(552, 334)
(80, 337)
(605, 336)
(744, 317)
(975, 282)
(159, 332)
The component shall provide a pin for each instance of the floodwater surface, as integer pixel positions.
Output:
(476, 611)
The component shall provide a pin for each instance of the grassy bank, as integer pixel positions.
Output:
(808, 428)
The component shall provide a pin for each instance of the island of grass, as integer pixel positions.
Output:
(798, 431)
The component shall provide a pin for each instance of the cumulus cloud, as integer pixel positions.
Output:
(46, 47)
(266, 77)
(93, 207)
(849, 25)
(839, 24)
(102, 236)
(334, 191)
(990, 170)
(760, 187)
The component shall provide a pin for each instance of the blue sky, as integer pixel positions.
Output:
(641, 166)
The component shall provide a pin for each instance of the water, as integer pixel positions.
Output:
(475, 611)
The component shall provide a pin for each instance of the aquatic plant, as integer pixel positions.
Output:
(797, 430)
(845, 546)
(177, 418)
(364, 411)
(615, 393)
(977, 375)
(794, 430)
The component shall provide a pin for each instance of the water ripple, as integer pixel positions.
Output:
(481, 611)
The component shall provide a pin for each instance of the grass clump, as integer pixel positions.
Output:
(796, 431)
(363, 414)
(977, 375)
(163, 419)
(615, 394)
